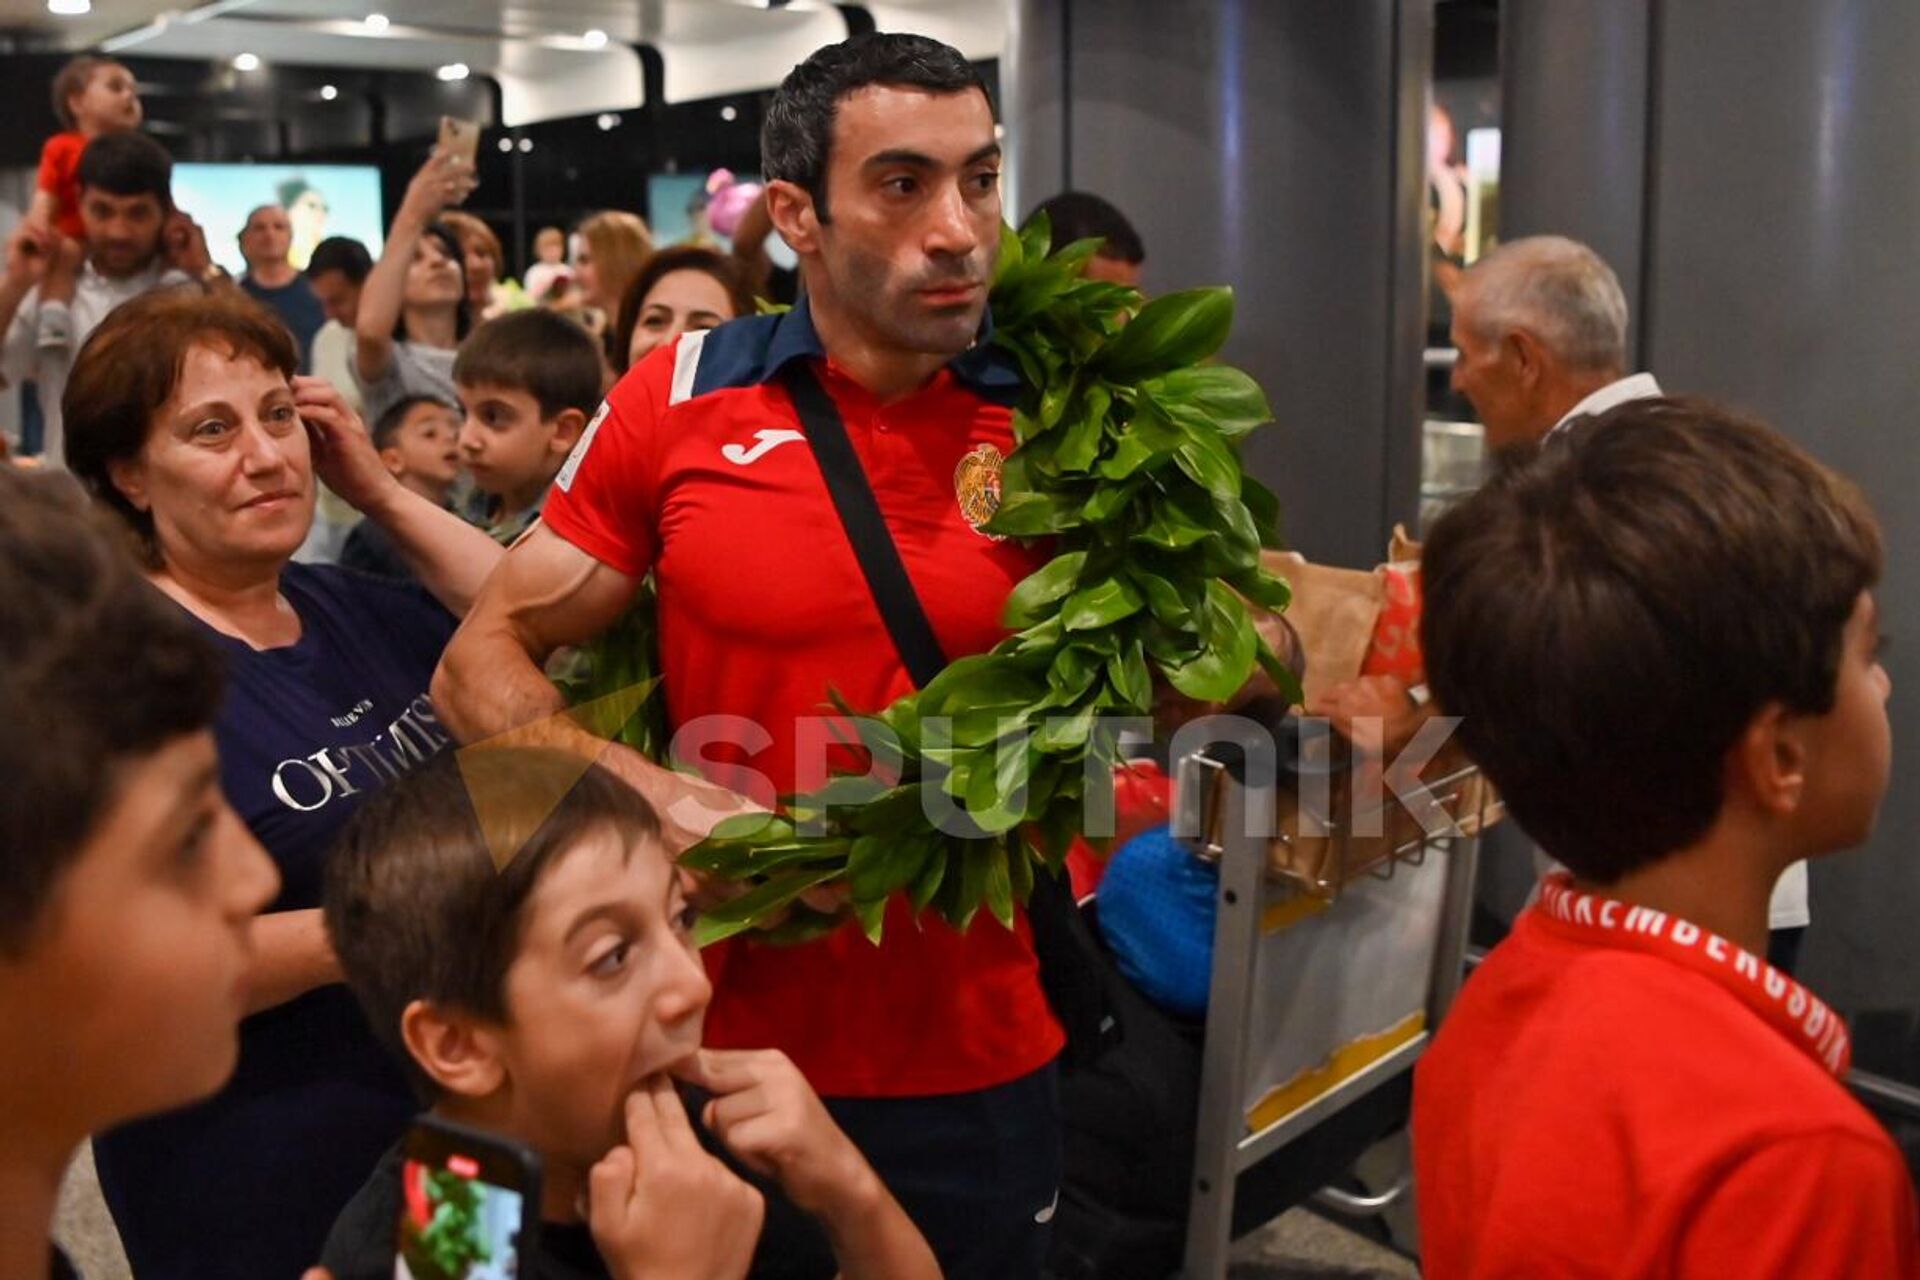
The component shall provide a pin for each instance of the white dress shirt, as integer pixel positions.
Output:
(44, 339)
(1635, 386)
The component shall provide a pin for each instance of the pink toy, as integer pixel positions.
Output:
(729, 200)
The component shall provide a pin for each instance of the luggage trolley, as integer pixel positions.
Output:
(1340, 938)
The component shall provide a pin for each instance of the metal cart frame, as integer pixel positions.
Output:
(1238, 817)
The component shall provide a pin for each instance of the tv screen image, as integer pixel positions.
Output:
(321, 200)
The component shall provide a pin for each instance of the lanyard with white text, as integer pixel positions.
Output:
(1796, 1012)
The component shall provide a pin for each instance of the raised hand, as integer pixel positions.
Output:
(444, 180)
(343, 452)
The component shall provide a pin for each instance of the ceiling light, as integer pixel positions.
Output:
(328, 93)
(69, 8)
(607, 120)
(246, 62)
(594, 39)
(506, 144)
(526, 145)
(729, 114)
(453, 71)
(377, 23)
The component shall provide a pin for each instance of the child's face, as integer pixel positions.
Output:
(507, 445)
(1850, 749)
(605, 992)
(427, 446)
(135, 981)
(110, 102)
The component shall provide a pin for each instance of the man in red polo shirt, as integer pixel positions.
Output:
(935, 1049)
(1683, 698)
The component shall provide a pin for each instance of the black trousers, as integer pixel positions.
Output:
(977, 1172)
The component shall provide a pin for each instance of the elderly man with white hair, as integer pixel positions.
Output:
(1541, 325)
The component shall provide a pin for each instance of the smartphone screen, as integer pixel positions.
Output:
(468, 1206)
(462, 137)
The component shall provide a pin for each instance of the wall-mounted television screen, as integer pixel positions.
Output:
(321, 200)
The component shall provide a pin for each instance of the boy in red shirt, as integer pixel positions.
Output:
(1661, 640)
(92, 96)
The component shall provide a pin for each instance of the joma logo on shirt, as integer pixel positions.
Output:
(313, 781)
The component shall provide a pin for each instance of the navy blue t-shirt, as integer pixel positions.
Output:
(247, 1184)
(299, 309)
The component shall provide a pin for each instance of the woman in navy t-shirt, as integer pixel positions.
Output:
(184, 418)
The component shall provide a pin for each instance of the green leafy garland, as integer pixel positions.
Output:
(1126, 457)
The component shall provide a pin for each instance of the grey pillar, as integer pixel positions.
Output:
(1276, 148)
(1777, 273)
(1573, 118)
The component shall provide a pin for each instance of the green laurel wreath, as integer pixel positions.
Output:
(1126, 457)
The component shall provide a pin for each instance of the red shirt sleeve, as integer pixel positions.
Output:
(59, 160)
(1828, 1206)
(605, 499)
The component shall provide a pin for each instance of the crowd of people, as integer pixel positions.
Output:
(301, 843)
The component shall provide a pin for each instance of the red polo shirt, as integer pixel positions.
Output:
(696, 469)
(1618, 1093)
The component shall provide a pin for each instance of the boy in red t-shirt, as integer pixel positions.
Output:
(1661, 641)
(92, 96)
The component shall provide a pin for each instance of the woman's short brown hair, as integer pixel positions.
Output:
(1608, 617)
(685, 257)
(467, 228)
(130, 366)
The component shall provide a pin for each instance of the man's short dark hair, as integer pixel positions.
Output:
(343, 254)
(395, 417)
(537, 351)
(1081, 215)
(797, 135)
(426, 892)
(1608, 618)
(127, 164)
(97, 671)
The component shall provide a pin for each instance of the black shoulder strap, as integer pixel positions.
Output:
(859, 511)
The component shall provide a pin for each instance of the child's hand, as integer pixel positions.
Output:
(343, 452)
(661, 1208)
(445, 179)
(770, 1117)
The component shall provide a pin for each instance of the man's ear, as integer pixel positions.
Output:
(458, 1052)
(1768, 763)
(791, 208)
(1528, 356)
(566, 430)
(129, 476)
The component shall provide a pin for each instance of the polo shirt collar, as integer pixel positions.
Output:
(983, 367)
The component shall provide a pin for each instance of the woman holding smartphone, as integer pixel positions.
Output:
(185, 419)
(413, 307)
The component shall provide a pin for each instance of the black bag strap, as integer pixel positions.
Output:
(859, 512)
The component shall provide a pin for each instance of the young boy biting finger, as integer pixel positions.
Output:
(516, 930)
